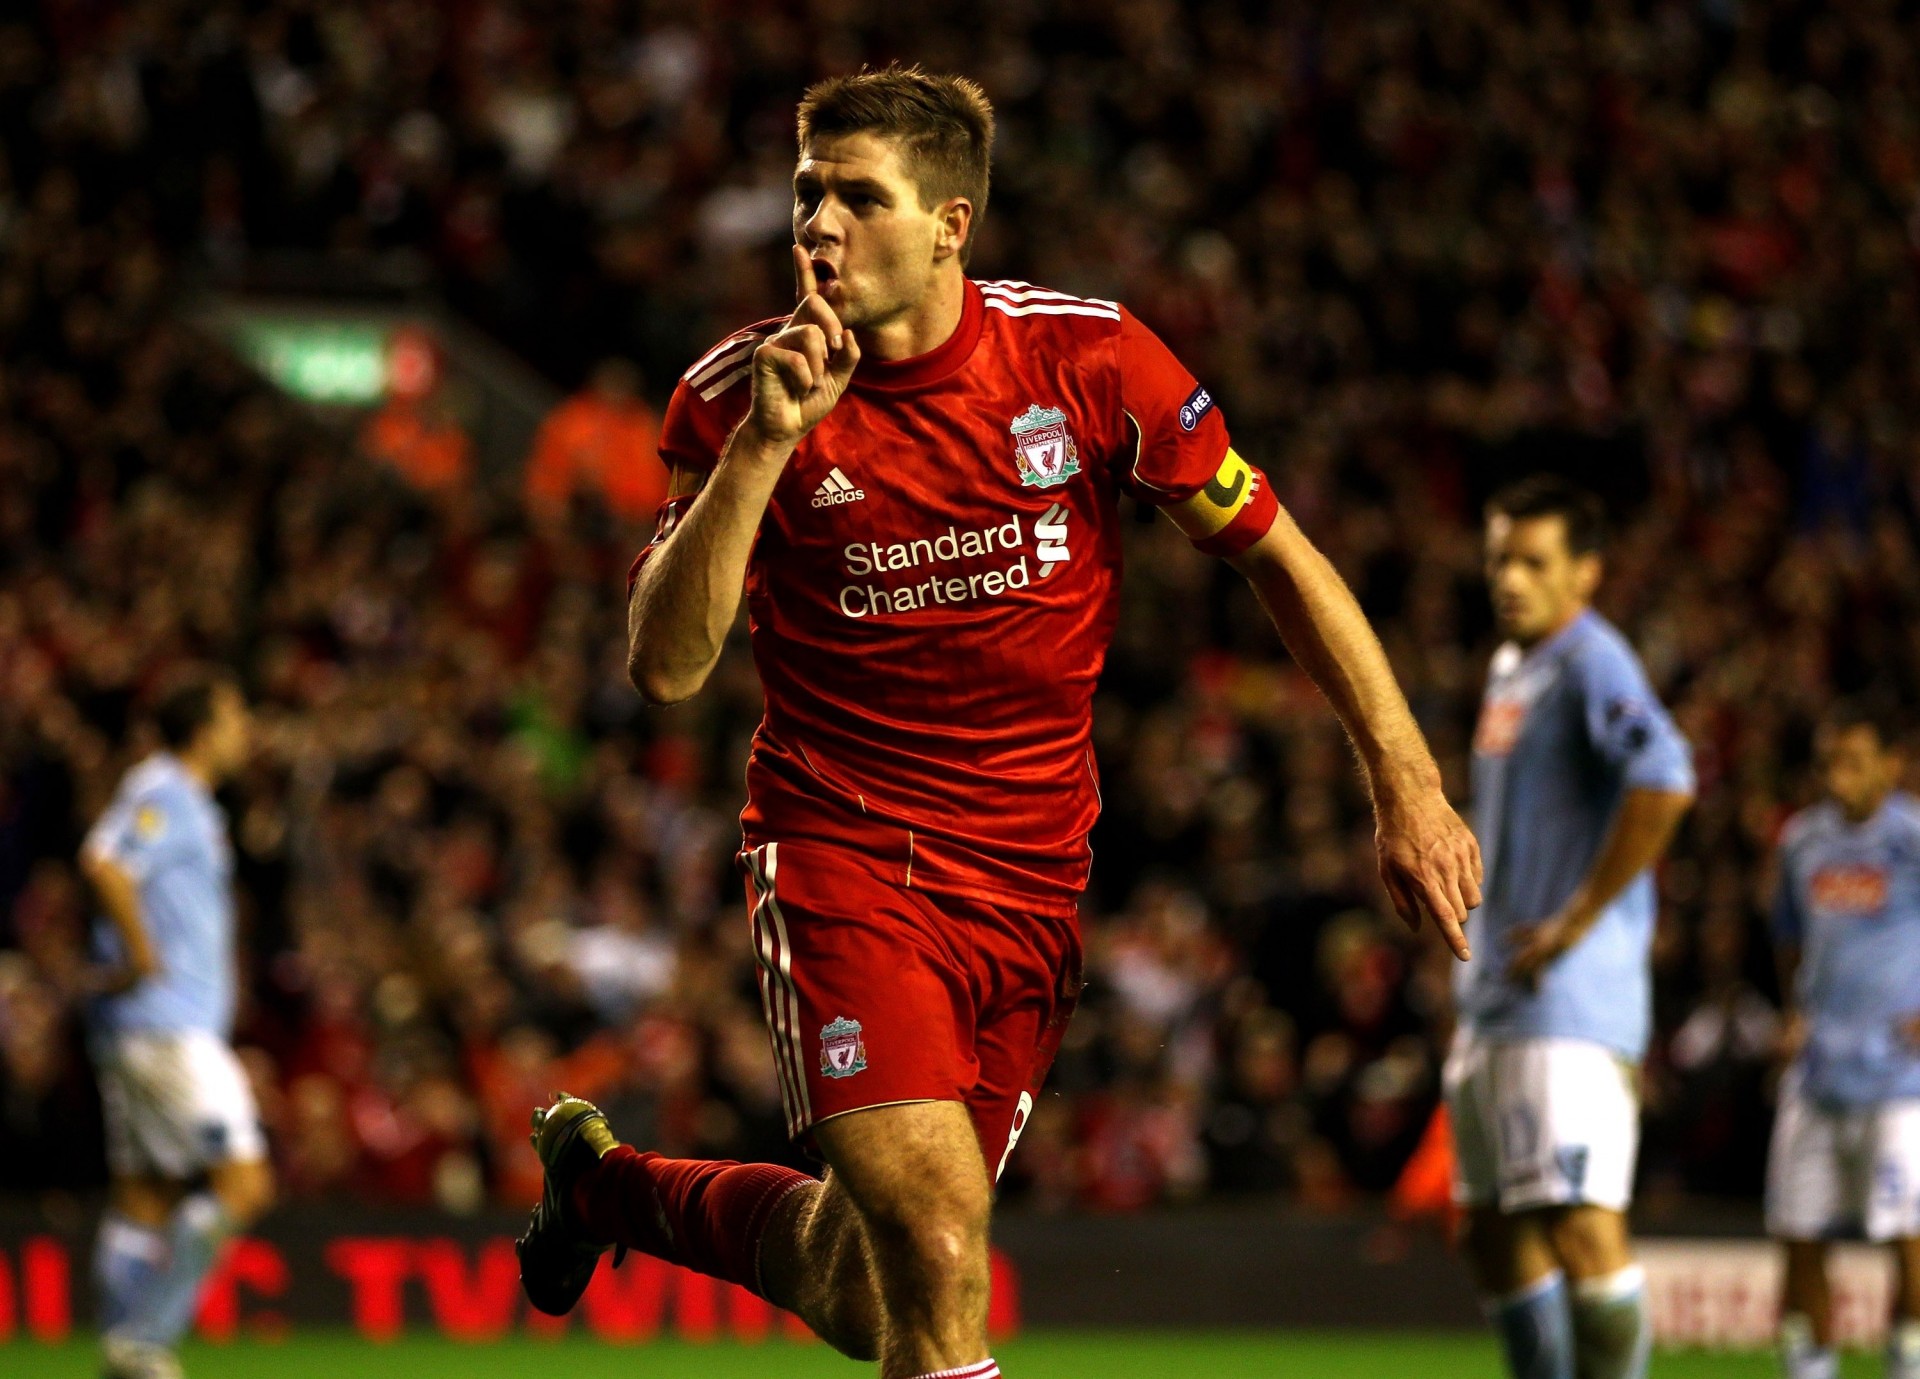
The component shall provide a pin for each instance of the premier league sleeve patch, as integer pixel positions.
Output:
(1194, 408)
(843, 1052)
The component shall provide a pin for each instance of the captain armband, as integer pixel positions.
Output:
(1232, 512)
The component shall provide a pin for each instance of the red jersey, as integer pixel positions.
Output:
(935, 583)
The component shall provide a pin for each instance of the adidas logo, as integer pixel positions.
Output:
(837, 488)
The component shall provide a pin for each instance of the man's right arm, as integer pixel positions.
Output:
(687, 590)
(120, 898)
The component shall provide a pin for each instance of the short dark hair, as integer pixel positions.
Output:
(185, 705)
(1878, 713)
(1549, 495)
(944, 125)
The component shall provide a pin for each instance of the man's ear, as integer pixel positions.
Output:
(955, 221)
(1587, 571)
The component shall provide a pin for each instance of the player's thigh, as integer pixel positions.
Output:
(1568, 1124)
(1507, 1252)
(175, 1105)
(1032, 965)
(1813, 1183)
(912, 1171)
(1893, 1194)
(1474, 1117)
(866, 1002)
(1589, 1241)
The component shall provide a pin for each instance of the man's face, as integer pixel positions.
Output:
(1538, 584)
(858, 214)
(1860, 768)
(228, 731)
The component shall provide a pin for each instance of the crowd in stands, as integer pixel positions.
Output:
(1414, 248)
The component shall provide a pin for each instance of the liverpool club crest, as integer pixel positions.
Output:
(842, 1051)
(1043, 448)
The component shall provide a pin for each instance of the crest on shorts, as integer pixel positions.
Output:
(1043, 448)
(842, 1051)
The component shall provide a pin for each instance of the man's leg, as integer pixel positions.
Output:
(1612, 1336)
(132, 1246)
(1806, 1313)
(885, 1260)
(1903, 1341)
(1523, 1290)
(238, 1194)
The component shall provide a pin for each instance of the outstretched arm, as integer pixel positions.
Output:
(1429, 860)
(688, 590)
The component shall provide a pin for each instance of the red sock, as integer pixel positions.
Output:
(707, 1214)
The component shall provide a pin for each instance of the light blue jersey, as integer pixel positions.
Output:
(1565, 730)
(1849, 900)
(165, 830)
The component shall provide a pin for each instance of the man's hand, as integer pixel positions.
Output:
(1429, 863)
(1537, 946)
(800, 374)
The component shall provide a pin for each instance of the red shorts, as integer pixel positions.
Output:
(876, 994)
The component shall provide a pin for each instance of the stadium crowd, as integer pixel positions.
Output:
(1414, 248)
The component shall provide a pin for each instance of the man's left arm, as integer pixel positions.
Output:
(1429, 859)
(1638, 838)
(1632, 735)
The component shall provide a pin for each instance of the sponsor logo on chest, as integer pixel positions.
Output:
(1848, 888)
(1511, 695)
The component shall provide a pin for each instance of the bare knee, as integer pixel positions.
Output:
(941, 1231)
(145, 1201)
(245, 1190)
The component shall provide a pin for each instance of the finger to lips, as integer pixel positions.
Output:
(804, 285)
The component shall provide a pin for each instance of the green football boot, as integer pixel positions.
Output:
(557, 1257)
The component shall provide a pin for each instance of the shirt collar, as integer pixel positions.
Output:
(940, 362)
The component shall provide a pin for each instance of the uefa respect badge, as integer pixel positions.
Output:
(842, 1051)
(1043, 448)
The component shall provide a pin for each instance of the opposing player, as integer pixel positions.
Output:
(1580, 779)
(1846, 1142)
(915, 479)
(185, 1151)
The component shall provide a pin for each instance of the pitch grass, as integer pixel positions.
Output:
(1038, 1355)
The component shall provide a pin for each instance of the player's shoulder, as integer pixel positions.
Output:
(728, 363)
(1028, 309)
(153, 776)
(1806, 826)
(1903, 814)
(1600, 648)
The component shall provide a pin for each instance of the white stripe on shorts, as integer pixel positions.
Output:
(778, 996)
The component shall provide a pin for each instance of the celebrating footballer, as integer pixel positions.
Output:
(914, 479)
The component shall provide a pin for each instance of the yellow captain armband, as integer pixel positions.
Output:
(1231, 512)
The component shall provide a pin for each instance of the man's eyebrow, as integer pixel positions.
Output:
(809, 177)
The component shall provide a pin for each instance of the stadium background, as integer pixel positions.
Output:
(1414, 248)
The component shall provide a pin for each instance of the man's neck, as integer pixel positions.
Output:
(197, 766)
(1873, 808)
(921, 328)
(1554, 631)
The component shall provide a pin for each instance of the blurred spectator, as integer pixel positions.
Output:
(601, 441)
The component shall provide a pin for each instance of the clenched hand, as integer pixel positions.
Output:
(800, 373)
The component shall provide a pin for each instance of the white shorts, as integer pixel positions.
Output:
(1843, 1171)
(175, 1103)
(1541, 1123)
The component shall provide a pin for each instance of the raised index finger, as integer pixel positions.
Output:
(803, 284)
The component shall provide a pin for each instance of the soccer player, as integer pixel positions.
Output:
(185, 1152)
(915, 480)
(1579, 781)
(1846, 1142)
